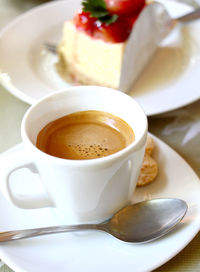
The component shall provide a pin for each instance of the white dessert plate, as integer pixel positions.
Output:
(170, 81)
(97, 251)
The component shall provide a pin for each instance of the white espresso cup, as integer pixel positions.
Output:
(82, 190)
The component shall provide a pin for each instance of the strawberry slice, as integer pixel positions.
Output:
(115, 32)
(85, 22)
(125, 7)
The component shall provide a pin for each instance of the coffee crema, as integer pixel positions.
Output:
(85, 135)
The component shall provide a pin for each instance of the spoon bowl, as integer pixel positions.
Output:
(146, 221)
(137, 223)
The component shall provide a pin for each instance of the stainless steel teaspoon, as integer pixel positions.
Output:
(140, 222)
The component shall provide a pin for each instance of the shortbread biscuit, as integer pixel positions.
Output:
(148, 172)
(149, 145)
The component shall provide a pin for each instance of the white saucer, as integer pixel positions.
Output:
(97, 251)
(28, 71)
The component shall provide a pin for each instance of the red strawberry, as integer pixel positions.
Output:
(85, 22)
(125, 7)
(115, 32)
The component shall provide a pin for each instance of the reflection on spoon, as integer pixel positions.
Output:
(140, 222)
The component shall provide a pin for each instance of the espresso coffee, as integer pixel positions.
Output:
(85, 135)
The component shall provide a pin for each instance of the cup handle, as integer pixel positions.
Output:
(11, 163)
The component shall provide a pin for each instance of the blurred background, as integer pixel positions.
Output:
(9, 9)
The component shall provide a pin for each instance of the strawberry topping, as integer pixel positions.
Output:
(115, 32)
(115, 21)
(125, 7)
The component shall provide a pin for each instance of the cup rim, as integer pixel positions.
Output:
(136, 144)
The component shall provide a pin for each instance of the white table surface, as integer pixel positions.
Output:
(180, 129)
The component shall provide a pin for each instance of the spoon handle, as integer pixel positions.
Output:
(28, 233)
(189, 16)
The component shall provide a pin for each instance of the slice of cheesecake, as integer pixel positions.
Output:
(87, 60)
(110, 50)
(92, 46)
